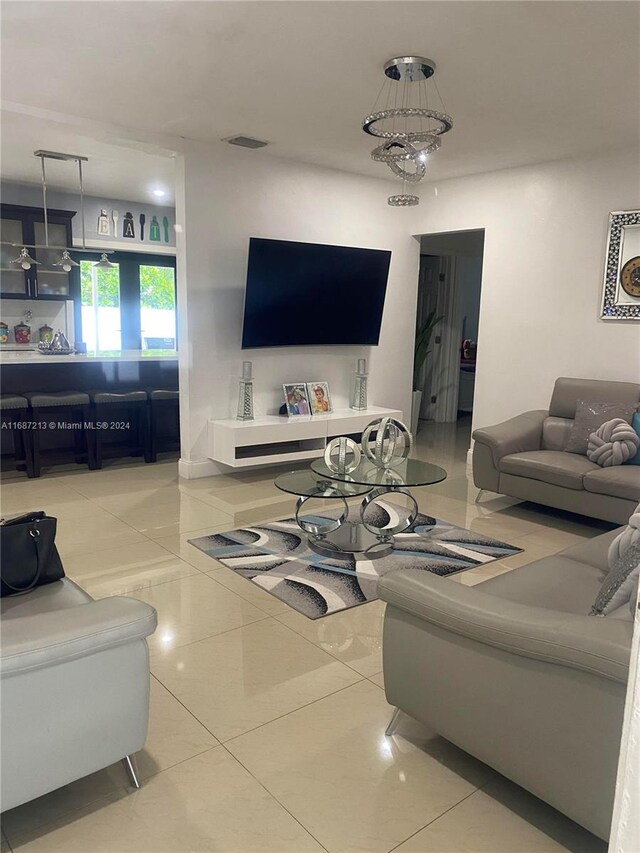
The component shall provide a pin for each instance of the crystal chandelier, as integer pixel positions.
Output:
(408, 127)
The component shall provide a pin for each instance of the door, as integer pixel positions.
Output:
(101, 306)
(130, 306)
(440, 402)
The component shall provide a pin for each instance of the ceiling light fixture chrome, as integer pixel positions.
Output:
(66, 261)
(59, 155)
(24, 260)
(410, 129)
(104, 263)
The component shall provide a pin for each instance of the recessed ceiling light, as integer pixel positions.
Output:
(159, 193)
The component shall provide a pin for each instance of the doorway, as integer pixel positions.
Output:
(449, 289)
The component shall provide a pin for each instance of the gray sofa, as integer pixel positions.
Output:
(516, 673)
(524, 457)
(74, 678)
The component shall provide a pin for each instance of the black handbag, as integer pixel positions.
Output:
(28, 554)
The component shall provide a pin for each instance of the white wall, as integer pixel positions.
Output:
(544, 250)
(228, 196)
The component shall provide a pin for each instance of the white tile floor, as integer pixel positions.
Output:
(267, 729)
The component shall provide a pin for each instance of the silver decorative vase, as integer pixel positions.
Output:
(360, 393)
(245, 400)
(360, 387)
(245, 394)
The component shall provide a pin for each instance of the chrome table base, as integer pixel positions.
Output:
(351, 538)
(342, 537)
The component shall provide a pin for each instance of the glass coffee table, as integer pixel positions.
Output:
(354, 530)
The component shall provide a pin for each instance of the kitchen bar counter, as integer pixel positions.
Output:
(29, 356)
(25, 371)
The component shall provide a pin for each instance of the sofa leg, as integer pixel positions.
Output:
(392, 723)
(132, 771)
(480, 491)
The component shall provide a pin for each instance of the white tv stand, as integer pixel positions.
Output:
(274, 439)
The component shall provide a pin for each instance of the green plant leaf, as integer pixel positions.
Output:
(423, 339)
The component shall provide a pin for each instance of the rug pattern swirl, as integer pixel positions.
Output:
(276, 557)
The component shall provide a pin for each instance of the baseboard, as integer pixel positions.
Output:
(194, 470)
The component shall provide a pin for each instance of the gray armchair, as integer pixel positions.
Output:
(74, 678)
(516, 673)
(524, 457)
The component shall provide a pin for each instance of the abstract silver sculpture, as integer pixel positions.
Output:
(342, 455)
(392, 443)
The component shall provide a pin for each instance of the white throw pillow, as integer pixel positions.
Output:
(626, 538)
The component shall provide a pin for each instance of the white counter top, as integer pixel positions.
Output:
(28, 356)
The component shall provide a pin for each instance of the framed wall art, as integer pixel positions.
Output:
(621, 290)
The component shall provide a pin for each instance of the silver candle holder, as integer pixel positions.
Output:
(245, 394)
(360, 387)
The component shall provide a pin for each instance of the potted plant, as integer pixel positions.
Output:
(421, 351)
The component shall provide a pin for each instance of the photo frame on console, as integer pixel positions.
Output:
(621, 289)
(296, 399)
(319, 398)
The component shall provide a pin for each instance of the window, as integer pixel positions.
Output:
(131, 305)
(157, 307)
(100, 299)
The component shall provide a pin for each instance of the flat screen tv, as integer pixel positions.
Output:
(308, 294)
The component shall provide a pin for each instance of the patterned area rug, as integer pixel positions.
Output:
(276, 557)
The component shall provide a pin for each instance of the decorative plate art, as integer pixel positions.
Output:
(621, 293)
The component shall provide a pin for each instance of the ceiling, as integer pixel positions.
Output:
(524, 81)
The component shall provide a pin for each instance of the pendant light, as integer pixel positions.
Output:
(66, 262)
(104, 263)
(25, 260)
(409, 129)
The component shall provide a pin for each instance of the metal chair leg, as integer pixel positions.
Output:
(129, 762)
(392, 723)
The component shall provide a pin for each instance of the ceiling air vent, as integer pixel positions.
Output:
(245, 142)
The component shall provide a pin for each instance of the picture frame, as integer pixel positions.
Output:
(296, 399)
(621, 287)
(319, 398)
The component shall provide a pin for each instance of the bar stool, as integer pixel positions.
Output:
(164, 406)
(13, 417)
(126, 407)
(57, 412)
